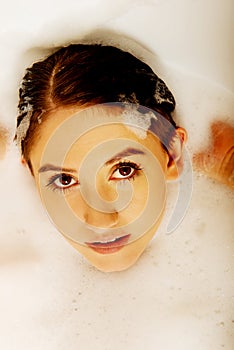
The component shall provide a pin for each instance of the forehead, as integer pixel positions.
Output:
(115, 140)
(79, 131)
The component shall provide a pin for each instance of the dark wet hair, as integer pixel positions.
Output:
(85, 75)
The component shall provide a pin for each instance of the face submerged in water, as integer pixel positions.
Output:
(103, 186)
(128, 166)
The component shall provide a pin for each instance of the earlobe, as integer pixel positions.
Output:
(175, 151)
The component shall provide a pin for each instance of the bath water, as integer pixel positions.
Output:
(182, 285)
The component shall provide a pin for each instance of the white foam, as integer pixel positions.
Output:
(179, 294)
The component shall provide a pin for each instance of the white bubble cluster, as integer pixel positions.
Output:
(131, 116)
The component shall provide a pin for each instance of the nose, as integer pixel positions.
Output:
(100, 219)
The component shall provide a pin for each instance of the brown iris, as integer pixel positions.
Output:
(65, 180)
(125, 170)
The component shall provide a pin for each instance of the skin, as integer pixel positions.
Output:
(217, 161)
(106, 180)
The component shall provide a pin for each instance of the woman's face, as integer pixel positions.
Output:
(106, 192)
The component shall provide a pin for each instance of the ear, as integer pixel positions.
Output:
(175, 162)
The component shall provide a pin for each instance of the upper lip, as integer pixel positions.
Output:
(111, 242)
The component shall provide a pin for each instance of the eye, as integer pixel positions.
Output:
(125, 170)
(62, 181)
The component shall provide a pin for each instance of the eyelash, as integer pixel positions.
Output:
(137, 168)
(51, 183)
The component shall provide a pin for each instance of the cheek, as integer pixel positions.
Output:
(147, 194)
(77, 204)
(140, 191)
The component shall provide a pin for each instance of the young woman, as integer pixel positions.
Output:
(96, 131)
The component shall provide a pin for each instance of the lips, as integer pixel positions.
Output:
(109, 247)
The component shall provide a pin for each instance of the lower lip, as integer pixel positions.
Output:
(109, 247)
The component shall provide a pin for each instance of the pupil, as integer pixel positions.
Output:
(125, 171)
(65, 179)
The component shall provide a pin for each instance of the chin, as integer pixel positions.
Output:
(114, 262)
(113, 266)
(121, 260)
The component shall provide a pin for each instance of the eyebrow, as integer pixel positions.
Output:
(51, 167)
(125, 153)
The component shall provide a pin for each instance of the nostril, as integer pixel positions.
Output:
(86, 217)
(101, 219)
